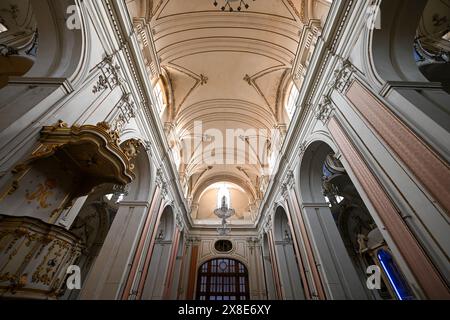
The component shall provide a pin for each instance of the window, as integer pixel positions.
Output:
(3, 28)
(223, 246)
(223, 194)
(292, 101)
(158, 92)
(223, 280)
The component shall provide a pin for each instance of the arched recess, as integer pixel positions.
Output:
(268, 270)
(135, 199)
(59, 64)
(159, 262)
(18, 41)
(223, 279)
(344, 232)
(432, 43)
(393, 68)
(142, 187)
(92, 225)
(392, 44)
(61, 49)
(291, 283)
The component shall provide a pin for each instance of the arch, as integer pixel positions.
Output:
(223, 279)
(141, 188)
(61, 50)
(92, 225)
(98, 214)
(19, 40)
(391, 46)
(291, 283)
(311, 171)
(340, 223)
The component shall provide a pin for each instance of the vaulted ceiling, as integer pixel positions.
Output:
(226, 70)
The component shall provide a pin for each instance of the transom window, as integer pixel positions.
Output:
(223, 279)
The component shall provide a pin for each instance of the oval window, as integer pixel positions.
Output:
(223, 246)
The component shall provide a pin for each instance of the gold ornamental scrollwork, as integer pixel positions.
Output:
(92, 153)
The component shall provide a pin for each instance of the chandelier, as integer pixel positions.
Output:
(228, 5)
(224, 212)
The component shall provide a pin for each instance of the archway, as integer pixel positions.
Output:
(345, 229)
(133, 202)
(396, 66)
(18, 39)
(432, 43)
(223, 279)
(92, 225)
(291, 283)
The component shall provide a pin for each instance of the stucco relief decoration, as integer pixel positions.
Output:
(179, 220)
(325, 110)
(268, 223)
(109, 77)
(126, 111)
(343, 76)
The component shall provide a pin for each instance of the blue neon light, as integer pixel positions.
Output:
(394, 275)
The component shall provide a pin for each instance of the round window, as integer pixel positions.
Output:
(223, 246)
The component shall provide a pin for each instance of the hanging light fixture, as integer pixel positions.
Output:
(230, 5)
(224, 210)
